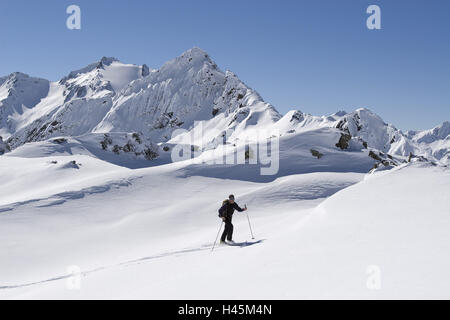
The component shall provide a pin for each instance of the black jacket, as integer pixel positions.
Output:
(227, 210)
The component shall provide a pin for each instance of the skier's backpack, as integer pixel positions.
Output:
(223, 209)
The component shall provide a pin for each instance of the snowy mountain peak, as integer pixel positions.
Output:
(18, 80)
(18, 93)
(191, 62)
(102, 64)
(185, 90)
(107, 61)
(197, 55)
(372, 130)
(104, 78)
(368, 115)
(340, 113)
(19, 89)
(440, 132)
(16, 76)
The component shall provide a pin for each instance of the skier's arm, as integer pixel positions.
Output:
(238, 208)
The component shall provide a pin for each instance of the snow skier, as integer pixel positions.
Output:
(226, 213)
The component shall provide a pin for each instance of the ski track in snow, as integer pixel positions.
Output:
(207, 247)
(255, 192)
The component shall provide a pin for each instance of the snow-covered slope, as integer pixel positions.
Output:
(136, 240)
(30, 181)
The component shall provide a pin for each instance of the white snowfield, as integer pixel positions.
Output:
(92, 205)
(147, 233)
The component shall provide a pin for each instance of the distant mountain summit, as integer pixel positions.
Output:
(18, 93)
(109, 97)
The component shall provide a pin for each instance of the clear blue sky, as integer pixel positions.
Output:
(316, 55)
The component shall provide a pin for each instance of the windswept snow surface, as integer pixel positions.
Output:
(41, 178)
(132, 238)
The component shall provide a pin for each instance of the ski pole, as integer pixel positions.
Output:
(217, 237)
(249, 224)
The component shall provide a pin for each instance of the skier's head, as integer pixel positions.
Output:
(231, 198)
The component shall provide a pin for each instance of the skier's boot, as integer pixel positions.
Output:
(222, 243)
(231, 242)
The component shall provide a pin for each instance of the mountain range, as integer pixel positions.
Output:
(113, 105)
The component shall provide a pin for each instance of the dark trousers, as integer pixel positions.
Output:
(228, 232)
